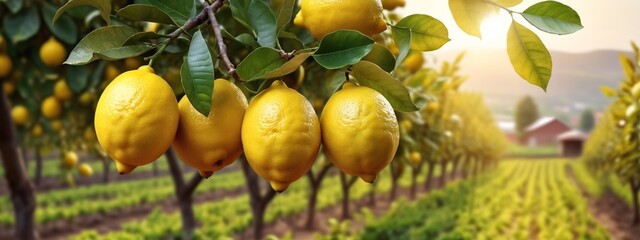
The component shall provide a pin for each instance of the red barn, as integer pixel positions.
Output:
(544, 131)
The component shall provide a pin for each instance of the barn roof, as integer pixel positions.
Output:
(573, 135)
(540, 123)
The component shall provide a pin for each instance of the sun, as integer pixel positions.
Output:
(494, 30)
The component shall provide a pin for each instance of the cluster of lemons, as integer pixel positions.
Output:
(138, 117)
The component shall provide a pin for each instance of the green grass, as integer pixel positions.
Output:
(519, 150)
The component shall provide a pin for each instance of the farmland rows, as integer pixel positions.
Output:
(233, 215)
(522, 200)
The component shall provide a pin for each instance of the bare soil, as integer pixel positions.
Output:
(611, 212)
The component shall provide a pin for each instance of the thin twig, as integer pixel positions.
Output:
(221, 45)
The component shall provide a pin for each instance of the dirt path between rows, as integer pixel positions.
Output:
(295, 224)
(610, 211)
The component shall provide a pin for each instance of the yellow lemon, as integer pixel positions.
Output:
(62, 91)
(89, 134)
(359, 131)
(20, 115)
(280, 135)
(85, 170)
(407, 125)
(70, 159)
(212, 142)
(57, 126)
(393, 4)
(36, 131)
(294, 80)
(86, 98)
(53, 53)
(322, 17)
(414, 62)
(416, 158)
(51, 108)
(9, 87)
(433, 107)
(136, 118)
(132, 63)
(111, 72)
(5, 65)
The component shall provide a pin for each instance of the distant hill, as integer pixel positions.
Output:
(575, 81)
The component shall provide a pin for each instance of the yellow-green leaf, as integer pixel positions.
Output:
(470, 13)
(507, 3)
(528, 55)
(627, 67)
(427, 33)
(609, 92)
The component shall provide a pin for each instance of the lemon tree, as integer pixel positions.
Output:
(184, 45)
(613, 144)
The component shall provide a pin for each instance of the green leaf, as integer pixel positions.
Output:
(240, 11)
(553, 17)
(22, 26)
(263, 21)
(93, 46)
(370, 75)
(77, 78)
(197, 74)
(178, 10)
(284, 14)
(144, 12)
(290, 66)
(382, 57)
(528, 55)
(65, 29)
(141, 37)
(14, 5)
(104, 6)
(427, 33)
(627, 67)
(260, 62)
(342, 48)
(507, 3)
(469, 14)
(402, 39)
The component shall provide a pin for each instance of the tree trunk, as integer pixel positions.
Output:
(427, 181)
(38, 173)
(443, 173)
(22, 193)
(315, 182)
(155, 169)
(184, 192)
(372, 194)
(257, 200)
(636, 205)
(414, 182)
(346, 185)
(25, 158)
(394, 186)
(106, 166)
(454, 168)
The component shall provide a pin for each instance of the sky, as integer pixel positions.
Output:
(608, 24)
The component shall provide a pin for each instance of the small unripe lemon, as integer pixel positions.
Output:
(111, 72)
(70, 159)
(414, 62)
(57, 126)
(9, 88)
(132, 63)
(85, 170)
(62, 91)
(89, 134)
(433, 107)
(86, 98)
(20, 115)
(416, 158)
(51, 108)
(407, 125)
(5, 65)
(53, 53)
(36, 131)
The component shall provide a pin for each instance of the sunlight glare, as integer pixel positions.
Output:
(494, 30)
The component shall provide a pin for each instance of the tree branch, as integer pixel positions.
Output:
(221, 45)
(193, 183)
